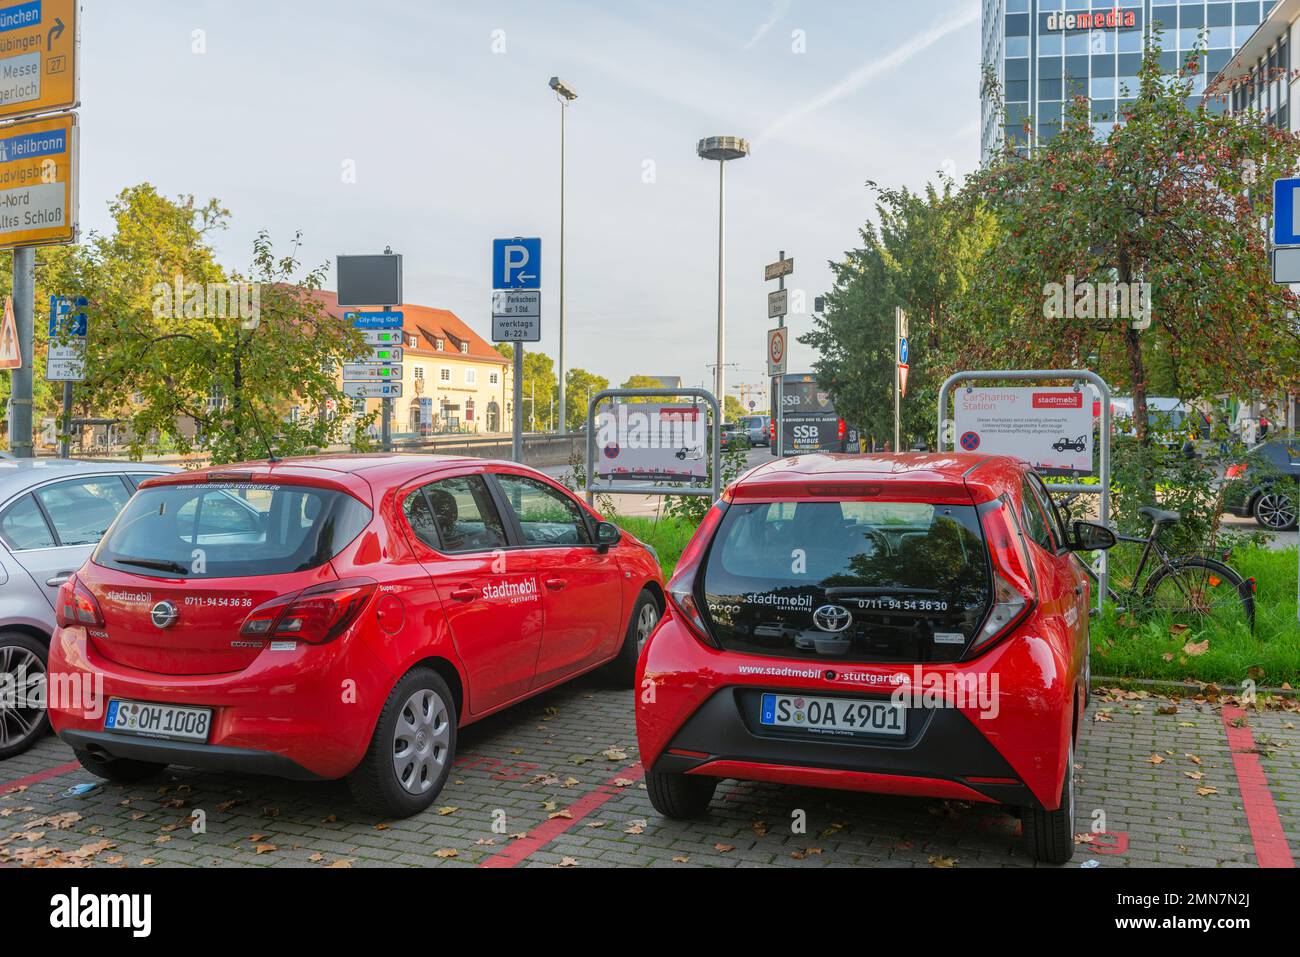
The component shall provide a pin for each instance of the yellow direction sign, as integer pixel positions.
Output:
(38, 56)
(38, 181)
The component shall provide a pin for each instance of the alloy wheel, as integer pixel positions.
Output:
(645, 623)
(1275, 510)
(25, 681)
(421, 741)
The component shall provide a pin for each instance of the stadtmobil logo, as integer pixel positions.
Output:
(1091, 21)
(1058, 400)
(514, 591)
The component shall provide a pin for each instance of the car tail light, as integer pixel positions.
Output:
(316, 616)
(841, 430)
(681, 589)
(1014, 592)
(76, 606)
(771, 430)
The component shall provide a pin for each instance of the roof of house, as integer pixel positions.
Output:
(429, 325)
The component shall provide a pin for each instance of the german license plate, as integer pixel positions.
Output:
(167, 721)
(845, 716)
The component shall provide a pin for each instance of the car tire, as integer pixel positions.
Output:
(1049, 835)
(411, 751)
(645, 617)
(1275, 511)
(118, 770)
(19, 730)
(680, 796)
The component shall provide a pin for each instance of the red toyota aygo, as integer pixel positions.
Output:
(338, 617)
(899, 624)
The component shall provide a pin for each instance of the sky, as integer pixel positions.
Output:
(428, 126)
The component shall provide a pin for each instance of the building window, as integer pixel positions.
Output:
(444, 375)
(437, 344)
(464, 348)
(419, 373)
(494, 378)
(471, 377)
(413, 341)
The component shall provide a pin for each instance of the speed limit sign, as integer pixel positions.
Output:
(776, 351)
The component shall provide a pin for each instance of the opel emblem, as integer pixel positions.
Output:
(832, 618)
(164, 614)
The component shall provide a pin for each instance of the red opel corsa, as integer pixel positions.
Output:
(906, 624)
(338, 617)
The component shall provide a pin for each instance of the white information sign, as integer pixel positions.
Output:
(652, 442)
(1048, 428)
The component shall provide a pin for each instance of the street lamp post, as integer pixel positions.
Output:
(722, 149)
(565, 95)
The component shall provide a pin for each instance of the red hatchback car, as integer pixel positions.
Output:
(338, 617)
(897, 624)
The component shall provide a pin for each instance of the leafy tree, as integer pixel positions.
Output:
(580, 386)
(644, 382)
(541, 388)
(163, 356)
(733, 409)
(1172, 197)
(919, 257)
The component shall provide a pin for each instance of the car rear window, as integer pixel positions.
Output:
(858, 581)
(223, 530)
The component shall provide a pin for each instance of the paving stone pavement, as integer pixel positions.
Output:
(533, 787)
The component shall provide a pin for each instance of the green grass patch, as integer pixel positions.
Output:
(667, 536)
(1147, 647)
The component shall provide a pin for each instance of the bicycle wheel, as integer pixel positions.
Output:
(1194, 590)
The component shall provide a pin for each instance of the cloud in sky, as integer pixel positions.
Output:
(779, 9)
(965, 17)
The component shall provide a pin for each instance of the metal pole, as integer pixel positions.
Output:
(563, 426)
(67, 421)
(386, 414)
(898, 415)
(20, 409)
(720, 375)
(517, 439)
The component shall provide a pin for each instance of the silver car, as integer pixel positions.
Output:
(52, 515)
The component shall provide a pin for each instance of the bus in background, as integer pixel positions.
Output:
(806, 420)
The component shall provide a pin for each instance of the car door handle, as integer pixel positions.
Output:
(60, 579)
(464, 593)
(555, 584)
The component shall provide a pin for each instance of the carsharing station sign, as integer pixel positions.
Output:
(1048, 428)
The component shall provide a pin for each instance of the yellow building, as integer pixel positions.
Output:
(453, 380)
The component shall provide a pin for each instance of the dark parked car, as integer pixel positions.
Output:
(1267, 489)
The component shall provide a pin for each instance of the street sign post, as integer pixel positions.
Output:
(777, 270)
(372, 390)
(1286, 257)
(359, 278)
(776, 351)
(901, 369)
(517, 313)
(42, 156)
(778, 303)
(39, 72)
(65, 359)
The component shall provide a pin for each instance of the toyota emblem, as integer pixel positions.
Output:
(832, 618)
(164, 614)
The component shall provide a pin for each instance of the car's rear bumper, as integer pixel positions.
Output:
(941, 754)
(1009, 745)
(105, 744)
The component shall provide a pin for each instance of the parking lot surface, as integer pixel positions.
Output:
(555, 782)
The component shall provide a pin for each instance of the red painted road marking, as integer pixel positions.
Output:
(1271, 847)
(549, 830)
(39, 776)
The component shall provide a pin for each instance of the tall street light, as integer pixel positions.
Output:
(565, 95)
(722, 149)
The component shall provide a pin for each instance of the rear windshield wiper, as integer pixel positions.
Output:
(161, 564)
(852, 591)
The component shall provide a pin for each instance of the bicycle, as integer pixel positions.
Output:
(1184, 587)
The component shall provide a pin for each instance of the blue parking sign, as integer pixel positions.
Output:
(516, 263)
(1286, 212)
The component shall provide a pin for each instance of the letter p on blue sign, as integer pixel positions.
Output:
(516, 264)
(1286, 212)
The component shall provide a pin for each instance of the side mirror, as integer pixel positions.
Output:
(1090, 537)
(608, 534)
